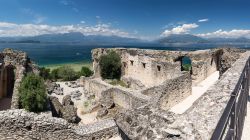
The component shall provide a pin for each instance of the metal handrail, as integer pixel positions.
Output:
(231, 123)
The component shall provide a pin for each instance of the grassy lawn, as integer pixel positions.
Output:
(75, 66)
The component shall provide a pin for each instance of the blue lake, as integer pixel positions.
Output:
(58, 53)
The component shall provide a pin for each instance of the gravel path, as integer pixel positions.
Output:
(197, 91)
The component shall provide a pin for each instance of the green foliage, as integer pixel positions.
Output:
(45, 73)
(110, 66)
(86, 104)
(54, 74)
(85, 71)
(66, 73)
(32, 92)
(118, 82)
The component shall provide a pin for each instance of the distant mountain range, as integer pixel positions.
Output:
(77, 37)
(182, 38)
(74, 37)
(188, 38)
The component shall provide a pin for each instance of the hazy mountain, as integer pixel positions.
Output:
(77, 37)
(182, 38)
(229, 40)
(74, 37)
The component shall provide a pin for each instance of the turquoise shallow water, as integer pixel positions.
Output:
(48, 53)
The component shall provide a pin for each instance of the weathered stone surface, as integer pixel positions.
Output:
(102, 112)
(22, 125)
(67, 100)
(229, 56)
(18, 60)
(65, 110)
(198, 122)
(146, 123)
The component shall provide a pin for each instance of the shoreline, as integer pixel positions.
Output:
(75, 65)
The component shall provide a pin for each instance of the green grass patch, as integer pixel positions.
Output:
(186, 67)
(118, 82)
(76, 66)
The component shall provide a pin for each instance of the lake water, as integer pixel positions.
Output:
(51, 53)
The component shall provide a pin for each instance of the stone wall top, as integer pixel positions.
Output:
(200, 120)
(20, 124)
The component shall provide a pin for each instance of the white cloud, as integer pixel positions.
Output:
(235, 33)
(75, 9)
(64, 2)
(82, 22)
(182, 29)
(11, 29)
(203, 20)
(37, 17)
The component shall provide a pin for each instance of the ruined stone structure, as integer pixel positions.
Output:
(156, 82)
(153, 67)
(13, 66)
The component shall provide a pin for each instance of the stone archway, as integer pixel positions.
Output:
(7, 80)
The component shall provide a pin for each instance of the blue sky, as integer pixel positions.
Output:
(131, 18)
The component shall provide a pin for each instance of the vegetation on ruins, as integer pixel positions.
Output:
(85, 71)
(45, 73)
(118, 82)
(110, 65)
(32, 93)
(66, 73)
(54, 74)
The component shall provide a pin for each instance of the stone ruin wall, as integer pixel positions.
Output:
(171, 92)
(124, 97)
(153, 67)
(22, 125)
(198, 122)
(18, 62)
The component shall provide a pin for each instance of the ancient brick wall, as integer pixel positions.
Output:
(171, 92)
(22, 125)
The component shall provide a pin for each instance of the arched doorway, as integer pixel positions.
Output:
(7, 80)
(186, 64)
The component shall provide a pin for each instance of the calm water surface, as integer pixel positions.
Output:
(48, 53)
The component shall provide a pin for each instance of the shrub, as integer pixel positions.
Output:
(54, 74)
(32, 92)
(66, 73)
(110, 66)
(85, 71)
(45, 73)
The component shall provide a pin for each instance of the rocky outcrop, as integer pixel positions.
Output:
(147, 123)
(65, 110)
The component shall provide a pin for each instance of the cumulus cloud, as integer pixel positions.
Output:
(182, 29)
(203, 20)
(235, 33)
(12, 29)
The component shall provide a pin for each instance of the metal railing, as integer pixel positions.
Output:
(231, 123)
